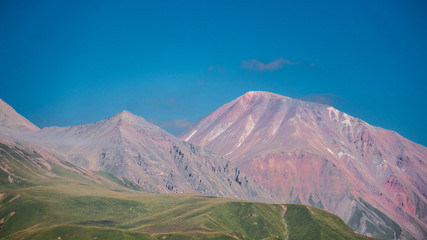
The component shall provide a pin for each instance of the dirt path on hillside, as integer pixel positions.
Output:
(284, 209)
(284, 220)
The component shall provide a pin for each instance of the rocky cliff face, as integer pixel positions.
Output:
(314, 154)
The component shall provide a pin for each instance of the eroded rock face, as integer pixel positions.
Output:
(314, 154)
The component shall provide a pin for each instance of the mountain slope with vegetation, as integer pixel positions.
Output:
(45, 198)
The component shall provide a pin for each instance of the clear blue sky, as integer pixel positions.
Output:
(74, 62)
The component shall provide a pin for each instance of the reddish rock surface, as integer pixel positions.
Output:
(314, 154)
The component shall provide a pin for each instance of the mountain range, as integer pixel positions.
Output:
(260, 147)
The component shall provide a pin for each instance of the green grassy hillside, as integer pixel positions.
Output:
(305, 222)
(46, 199)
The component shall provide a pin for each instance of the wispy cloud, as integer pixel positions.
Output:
(217, 68)
(256, 65)
(323, 98)
(174, 126)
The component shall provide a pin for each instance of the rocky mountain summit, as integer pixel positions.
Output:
(304, 152)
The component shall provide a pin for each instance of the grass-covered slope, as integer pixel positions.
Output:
(305, 222)
(48, 199)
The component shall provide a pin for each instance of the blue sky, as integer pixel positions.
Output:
(74, 62)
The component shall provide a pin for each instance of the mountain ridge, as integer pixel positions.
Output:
(128, 146)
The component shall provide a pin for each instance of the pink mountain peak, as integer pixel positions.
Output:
(314, 154)
(125, 116)
(10, 119)
(249, 96)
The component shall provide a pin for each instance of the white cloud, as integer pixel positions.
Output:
(257, 65)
